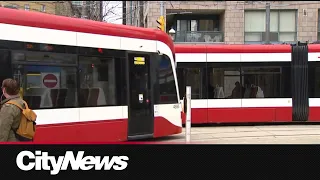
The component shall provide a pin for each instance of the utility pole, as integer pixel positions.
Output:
(141, 9)
(124, 12)
(267, 23)
(101, 10)
(161, 8)
(131, 12)
(163, 27)
(134, 13)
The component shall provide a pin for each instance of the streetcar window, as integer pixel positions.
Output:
(225, 80)
(94, 88)
(266, 80)
(193, 79)
(314, 79)
(98, 77)
(47, 86)
(194, 75)
(167, 88)
(44, 58)
(224, 83)
(47, 73)
(180, 77)
(261, 82)
(5, 66)
(11, 45)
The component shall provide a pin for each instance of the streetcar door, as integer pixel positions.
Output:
(140, 105)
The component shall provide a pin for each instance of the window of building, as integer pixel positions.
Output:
(26, 7)
(200, 30)
(185, 29)
(43, 8)
(283, 26)
(197, 25)
(11, 6)
(167, 87)
(77, 3)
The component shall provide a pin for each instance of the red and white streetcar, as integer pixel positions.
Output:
(248, 83)
(91, 81)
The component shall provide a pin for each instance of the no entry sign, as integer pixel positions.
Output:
(50, 80)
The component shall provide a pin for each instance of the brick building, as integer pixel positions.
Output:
(92, 9)
(235, 22)
(39, 6)
(80, 9)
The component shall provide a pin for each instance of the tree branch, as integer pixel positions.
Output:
(92, 9)
(110, 10)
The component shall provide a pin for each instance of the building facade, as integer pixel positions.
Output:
(137, 12)
(235, 22)
(39, 6)
(79, 9)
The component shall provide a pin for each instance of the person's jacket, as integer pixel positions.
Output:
(9, 119)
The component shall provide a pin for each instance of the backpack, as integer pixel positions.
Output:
(27, 126)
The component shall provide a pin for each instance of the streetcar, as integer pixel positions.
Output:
(246, 83)
(91, 81)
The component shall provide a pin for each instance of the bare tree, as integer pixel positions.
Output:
(94, 10)
(112, 9)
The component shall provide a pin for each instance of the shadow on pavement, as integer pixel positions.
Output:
(179, 138)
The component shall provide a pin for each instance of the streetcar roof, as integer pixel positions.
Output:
(49, 21)
(239, 48)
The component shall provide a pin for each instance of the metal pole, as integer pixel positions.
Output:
(161, 8)
(162, 14)
(131, 12)
(141, 8)
(267, 23)
(101, 10)
(124, 12)
(188, 116)
(135, 10)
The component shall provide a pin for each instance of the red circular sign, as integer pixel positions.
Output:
(50, 80)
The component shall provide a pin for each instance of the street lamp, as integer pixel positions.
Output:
(172, 33)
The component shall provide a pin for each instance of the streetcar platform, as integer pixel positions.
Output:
(263, 134)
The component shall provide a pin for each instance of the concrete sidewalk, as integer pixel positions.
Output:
(276, 134)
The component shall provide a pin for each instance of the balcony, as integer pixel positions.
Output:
(199, 37)
(13, 6)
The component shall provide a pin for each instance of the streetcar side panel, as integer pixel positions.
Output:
(271, 70)
(56, 68)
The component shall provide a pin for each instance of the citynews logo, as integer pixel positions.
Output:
(42, 161)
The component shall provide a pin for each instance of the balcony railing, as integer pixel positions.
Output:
(199, 36)
(11, 6)
(275, 37)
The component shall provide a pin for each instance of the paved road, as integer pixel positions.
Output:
(276, 134)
